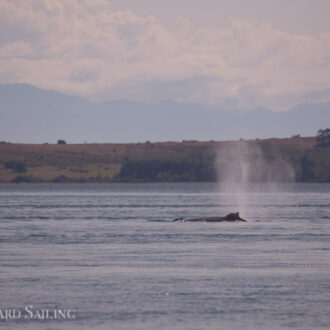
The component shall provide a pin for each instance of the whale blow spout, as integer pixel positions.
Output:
(231, 217)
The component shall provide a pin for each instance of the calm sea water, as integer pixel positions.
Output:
(111, 253)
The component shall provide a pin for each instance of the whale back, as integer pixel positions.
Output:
(228, 217)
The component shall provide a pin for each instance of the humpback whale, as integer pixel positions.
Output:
(231, 217)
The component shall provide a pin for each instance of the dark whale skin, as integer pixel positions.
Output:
(231, 217)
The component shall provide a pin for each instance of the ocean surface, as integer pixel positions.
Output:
(110, 254)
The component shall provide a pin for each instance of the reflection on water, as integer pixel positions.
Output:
(111, 253)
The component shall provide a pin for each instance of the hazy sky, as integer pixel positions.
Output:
(238, 54)
(294, 16)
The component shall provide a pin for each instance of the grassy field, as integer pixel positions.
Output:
(104, 162)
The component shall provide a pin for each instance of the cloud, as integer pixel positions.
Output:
(85, 48)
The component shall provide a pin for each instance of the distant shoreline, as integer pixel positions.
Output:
(186, 161)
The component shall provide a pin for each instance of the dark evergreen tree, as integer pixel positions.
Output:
(323, 137)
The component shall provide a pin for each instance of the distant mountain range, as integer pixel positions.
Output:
(32, 115)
